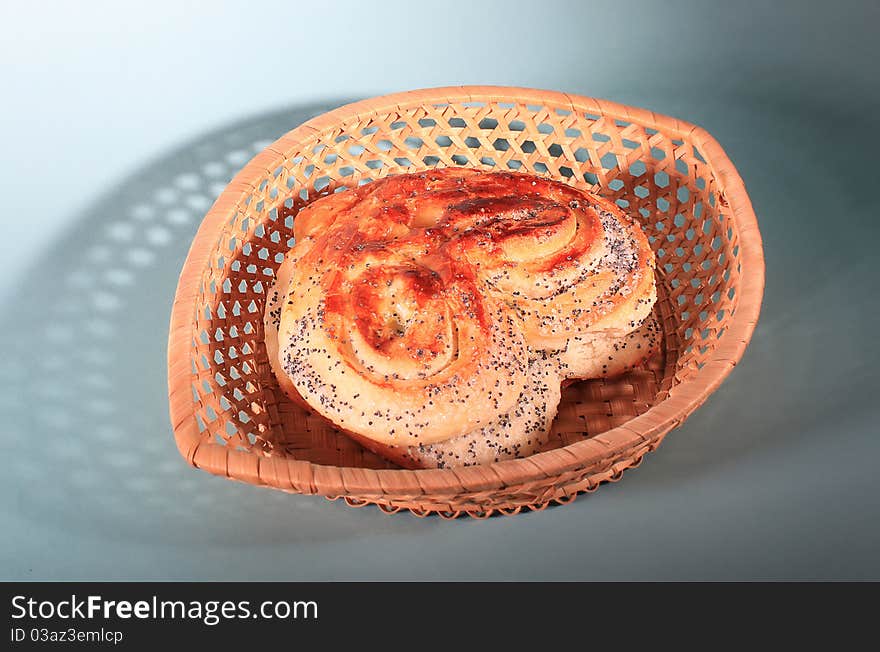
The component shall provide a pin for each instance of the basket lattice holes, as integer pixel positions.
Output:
(662, 182)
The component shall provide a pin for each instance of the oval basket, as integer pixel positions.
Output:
(231, 419)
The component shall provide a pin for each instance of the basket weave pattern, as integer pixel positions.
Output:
(231, 418)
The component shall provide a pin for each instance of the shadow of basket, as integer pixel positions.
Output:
(84, 390)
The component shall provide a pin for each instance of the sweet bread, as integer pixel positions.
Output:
(434, 316)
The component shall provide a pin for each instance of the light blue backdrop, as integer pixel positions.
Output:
(119, 123)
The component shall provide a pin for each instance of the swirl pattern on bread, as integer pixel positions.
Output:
(433, 316)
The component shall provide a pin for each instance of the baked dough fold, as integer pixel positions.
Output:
(433, 316)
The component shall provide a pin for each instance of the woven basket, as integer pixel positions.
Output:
(231, 419)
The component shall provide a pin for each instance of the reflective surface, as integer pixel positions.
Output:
(775, 477)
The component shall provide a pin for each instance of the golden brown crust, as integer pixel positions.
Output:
(411, 311)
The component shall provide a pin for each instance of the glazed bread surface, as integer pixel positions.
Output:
(433, 316)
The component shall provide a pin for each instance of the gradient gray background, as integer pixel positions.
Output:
(119, 126)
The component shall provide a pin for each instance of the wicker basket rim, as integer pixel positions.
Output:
(331, 480)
